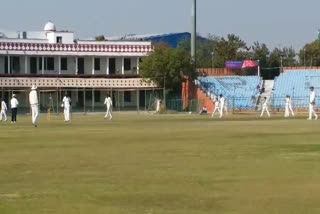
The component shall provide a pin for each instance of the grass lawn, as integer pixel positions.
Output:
(168, 164)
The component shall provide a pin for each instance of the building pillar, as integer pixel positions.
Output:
(42, 64)
(9, 65)
(76, 66)
(59, 65)
(93, 65)
(107, 65)
(25, 64)
(122, 65)
(138, 65)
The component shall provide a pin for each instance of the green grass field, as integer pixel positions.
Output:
(168, 164)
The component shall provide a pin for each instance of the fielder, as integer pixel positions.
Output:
(108, 103)
(265, 107)
(34, 105)
(312, 104)
(288, 108)
(66, 105)
(216, 107)
(222, 107)
(3, 113)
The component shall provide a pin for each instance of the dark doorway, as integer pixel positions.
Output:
(112, 66)
(142, 100)
(6, 68)
(33, 65)
(81, 66)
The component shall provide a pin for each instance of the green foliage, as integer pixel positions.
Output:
(310, 54)
(100, 38)
(168, 63)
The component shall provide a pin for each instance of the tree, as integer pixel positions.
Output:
(168, 63)
(310, 54)
(100, 38)
(231, 48)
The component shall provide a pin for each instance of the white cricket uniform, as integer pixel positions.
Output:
(108, 103)
(14, 103)
(158, 105)
(3, 114)
(34, 104)
(265, 108)
(66, 111)
(312, 112)
(221, 106)
(288, 108)
(216, 108)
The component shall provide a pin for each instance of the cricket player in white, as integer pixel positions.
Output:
(108, 103)
(222, 107)
(288, 107)
(34, 104)
(66, 108)
(312, 104)
(216, 107)
(265, 107)
(3, 113)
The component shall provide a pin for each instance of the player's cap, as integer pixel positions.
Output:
(311, 88)
(13, 95)
(34, 87)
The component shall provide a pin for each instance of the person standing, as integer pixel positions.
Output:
(34, 105)
(14, 108)
(222, 107)
(216, 107)
(288, 107)
(312, 104)
(66, 104)
(265, 107)
(108, 103)
(3, 113)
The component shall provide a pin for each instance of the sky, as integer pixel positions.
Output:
(277, 23)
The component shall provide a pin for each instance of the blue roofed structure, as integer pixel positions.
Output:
(172, 39)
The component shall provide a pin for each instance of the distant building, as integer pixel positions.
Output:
(172, 39)
(87, 69)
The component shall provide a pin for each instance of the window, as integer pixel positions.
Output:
(64, 64)
(59, 39)
(48, 63)
(97, 64)
(127, 64)
(127, 96)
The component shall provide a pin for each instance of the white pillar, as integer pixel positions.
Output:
(138, 65)
(25, 64)
(107, 65)
(59, 65)
(42, 64)
(9, 65)
(93, 65)
(122, 65)
(76, 66)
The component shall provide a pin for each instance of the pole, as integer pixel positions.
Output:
(304, 57)
(138, 101)
(164, 90)
(194, 33)
(281, 62)
(84, 100)
(259, 74)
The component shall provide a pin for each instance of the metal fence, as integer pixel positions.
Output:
(243, 104)
(86, 100)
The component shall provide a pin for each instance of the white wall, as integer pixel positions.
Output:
(67, 37)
